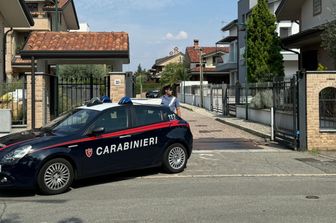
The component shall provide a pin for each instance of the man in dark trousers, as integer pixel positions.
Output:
(170, 101)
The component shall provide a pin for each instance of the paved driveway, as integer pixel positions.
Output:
(210, 134)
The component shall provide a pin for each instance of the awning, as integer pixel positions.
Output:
(304, 38)
(227, 40)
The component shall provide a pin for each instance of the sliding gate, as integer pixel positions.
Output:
(285, 102)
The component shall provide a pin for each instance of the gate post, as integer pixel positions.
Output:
(41, 100)
(117, 86)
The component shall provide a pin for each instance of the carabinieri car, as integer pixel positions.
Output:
(96, 139)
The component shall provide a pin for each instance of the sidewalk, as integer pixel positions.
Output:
(257, 129)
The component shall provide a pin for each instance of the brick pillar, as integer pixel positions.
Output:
(42, 100)
(117, 86)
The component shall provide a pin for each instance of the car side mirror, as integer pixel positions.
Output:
(97, 131)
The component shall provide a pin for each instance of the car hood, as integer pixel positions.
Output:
(36, 138)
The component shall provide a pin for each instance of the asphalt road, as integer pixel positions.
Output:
(189, 199)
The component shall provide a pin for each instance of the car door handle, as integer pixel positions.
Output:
(125, 136)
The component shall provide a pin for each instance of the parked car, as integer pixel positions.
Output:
(153, 94)
(96, 139)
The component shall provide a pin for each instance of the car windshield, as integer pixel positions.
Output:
(73, 121)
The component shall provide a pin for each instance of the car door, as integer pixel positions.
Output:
(107, 152)
(150, 125)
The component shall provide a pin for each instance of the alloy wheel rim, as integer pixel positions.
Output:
(56, 176)
(176, 158)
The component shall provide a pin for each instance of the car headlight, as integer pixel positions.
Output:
(15, 155)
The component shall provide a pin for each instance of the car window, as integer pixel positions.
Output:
(145, 115)
(75, 121)
(112, 120)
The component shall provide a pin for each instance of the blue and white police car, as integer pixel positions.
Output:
(92, 140)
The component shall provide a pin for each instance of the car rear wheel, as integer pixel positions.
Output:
(175, 158)
(55, 176)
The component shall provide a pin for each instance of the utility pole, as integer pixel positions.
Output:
(201, 76)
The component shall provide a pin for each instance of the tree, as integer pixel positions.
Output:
(264, 60)
(82, 71)
(328, 38)
(174, 73)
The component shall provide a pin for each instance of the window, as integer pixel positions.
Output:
(113, 120)
(327, 100)
(145, 115)
(73, 122)
(285, 31)
(317, 7)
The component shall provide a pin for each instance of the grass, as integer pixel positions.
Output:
(314, 152)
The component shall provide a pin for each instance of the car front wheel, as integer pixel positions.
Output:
(55, 176)
(175, 158)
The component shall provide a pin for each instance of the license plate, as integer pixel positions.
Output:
(0, 169)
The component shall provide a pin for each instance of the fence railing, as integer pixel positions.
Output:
(223, 98)
(13, 96)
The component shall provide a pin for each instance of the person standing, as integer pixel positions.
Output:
(169, 100)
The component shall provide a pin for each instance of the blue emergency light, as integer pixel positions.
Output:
(125, 100)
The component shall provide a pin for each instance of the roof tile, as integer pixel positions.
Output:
(194, 54)
(77, 41)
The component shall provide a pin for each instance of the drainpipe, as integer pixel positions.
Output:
(4, 53)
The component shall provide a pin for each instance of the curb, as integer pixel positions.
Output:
(254, 132)
(185, 107)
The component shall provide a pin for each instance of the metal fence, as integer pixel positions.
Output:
(13, 97)
(223, 98)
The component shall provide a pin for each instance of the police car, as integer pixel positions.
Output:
(96, 139)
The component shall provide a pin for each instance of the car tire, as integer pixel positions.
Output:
(55, 176)
(175, 158)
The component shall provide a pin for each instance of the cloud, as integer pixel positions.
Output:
(182, 35)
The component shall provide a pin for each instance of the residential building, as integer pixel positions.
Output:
(175, 57)
(230, 60)
(209, 57)
(13, 13)
(44, 15)
(311, 15)
(285, 27)
(83, 27)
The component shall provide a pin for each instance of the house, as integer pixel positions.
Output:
(175, 57)
(210, 57)
(311, 15)
(285, 27)
(230, 60)
(44, 15)
(13, 13)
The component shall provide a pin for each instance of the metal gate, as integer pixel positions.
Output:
(217, 96)
(74, 92)
(232, 97)
(285, 102)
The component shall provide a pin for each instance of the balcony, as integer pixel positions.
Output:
(229, 63)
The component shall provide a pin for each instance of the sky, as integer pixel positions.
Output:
(155, 27)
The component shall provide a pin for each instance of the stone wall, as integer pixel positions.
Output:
(117, 86)
(317, 138)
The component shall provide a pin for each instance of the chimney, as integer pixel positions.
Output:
(196, 44)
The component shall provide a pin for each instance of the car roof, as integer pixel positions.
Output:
(104, 106)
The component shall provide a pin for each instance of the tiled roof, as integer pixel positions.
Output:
(161, 60)
(77, 41)
(194, 54)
